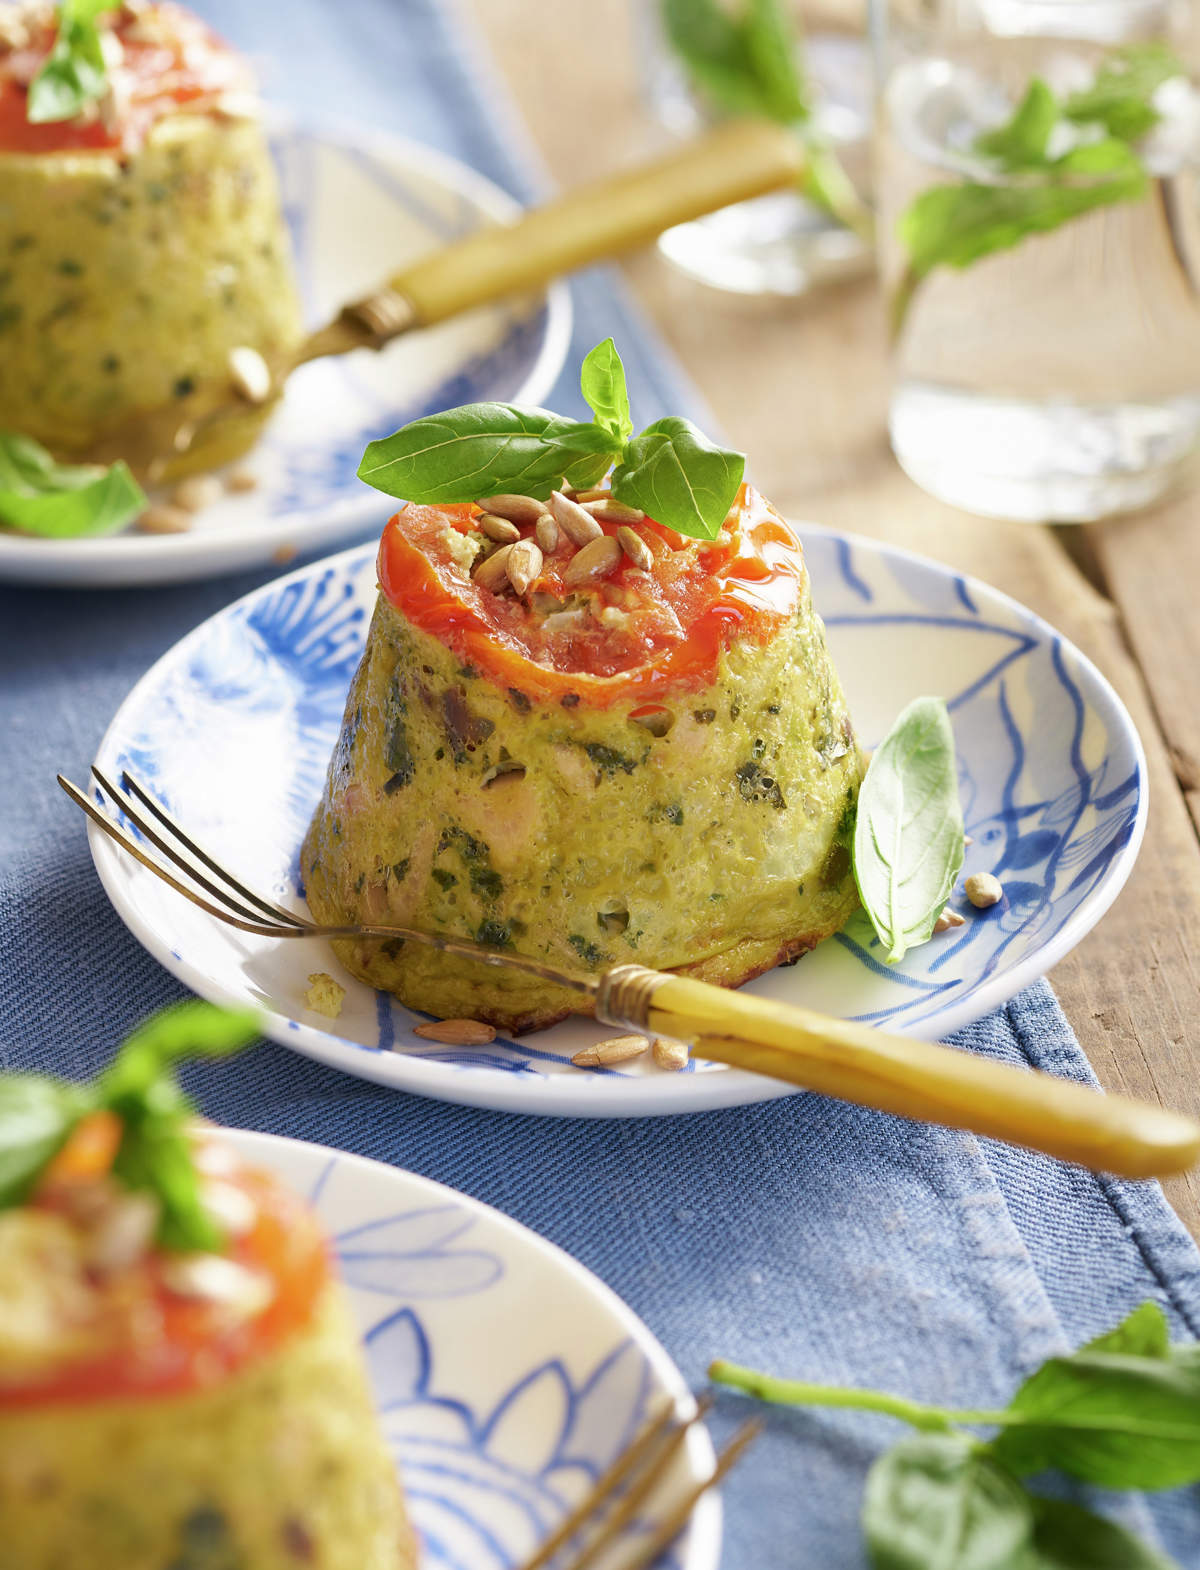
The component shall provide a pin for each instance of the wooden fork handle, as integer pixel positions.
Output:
(914, 1079)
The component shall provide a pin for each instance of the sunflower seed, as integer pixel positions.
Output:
(670, 1054)
(596, 560)
(240, 480)
(546, 533)
(578, 526)
(949, 918)
(197, 492)
(498, 529)
(250, 373)
(457, 1032)
(517, 509)
(524, 565)
(614, 512)
(635, 548)
(492, 571)
(982, 889)
(618, 1049)
(160, 519)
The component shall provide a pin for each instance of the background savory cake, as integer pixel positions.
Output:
(648, 761)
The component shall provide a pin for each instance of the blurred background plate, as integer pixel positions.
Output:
(233, 729)
(358, 207)
(500, 1420)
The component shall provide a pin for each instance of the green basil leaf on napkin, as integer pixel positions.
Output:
(602, 380)
(1067, 1537)
(480, 449)
(62, 501)
(676, 475)
(1144, 1333)
(36, 1115)
(74, 73)
(1114, 1419)
(939, 1502)
(908, 834)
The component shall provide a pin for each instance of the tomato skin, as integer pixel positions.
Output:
(186, 67)
(698, 596)
(180, 1344)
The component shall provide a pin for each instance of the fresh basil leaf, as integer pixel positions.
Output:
(908, 833)
(1067, 1537)
(939, 1502)
(1121, 96)
(1022, 142)
(602, 381)
(1109, 1418)
(676, 475)
(772, 46)
(36, 1115)
(74, 73)
(1143, 1333)
(713, 46)
(191, 1029)
(480, 449)
(58, 500)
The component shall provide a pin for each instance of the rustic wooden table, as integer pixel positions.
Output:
(802, 386)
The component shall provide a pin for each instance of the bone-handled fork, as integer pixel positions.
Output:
(846, 1058)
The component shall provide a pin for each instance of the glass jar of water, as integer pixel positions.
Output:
(1047, 358)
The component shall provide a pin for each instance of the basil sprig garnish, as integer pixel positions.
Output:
(1122, 1412)
(61, 501)
(748, 61)
(74, 73)
(671, 471)
(1032, 189)
(38, 1114)
(908, 832)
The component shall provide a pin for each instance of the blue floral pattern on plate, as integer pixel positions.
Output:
(500, 1421)
(1051, 772)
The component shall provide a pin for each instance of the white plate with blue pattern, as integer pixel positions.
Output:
(496, 1436)
(358, 207)
(234, 727)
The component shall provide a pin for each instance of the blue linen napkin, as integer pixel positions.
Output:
(802, 1235)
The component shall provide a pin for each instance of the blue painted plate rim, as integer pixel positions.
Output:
(599, 1095)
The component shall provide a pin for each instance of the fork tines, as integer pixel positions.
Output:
(613, 1504)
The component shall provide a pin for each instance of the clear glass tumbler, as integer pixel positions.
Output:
(1059, 379)
(778, 244)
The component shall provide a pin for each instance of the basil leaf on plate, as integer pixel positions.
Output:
(62, 501)
(1067, 1537)
(908, 834)
(602, 381)
(74, 73)
(480, 449)
(678, 477)
(36, 1115)
(939, 1502)
(1115, 1419)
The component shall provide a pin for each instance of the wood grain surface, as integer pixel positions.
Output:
(802, 386)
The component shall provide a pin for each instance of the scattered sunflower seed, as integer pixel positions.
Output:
(670, 1054)
(492, 571)
(457, 1032)
(578, 526)
(595, 560)
(197, 492)
(635, 548)
(524, 565)
(949, 918)
(517, 509)
(618, 1049)
(158, 518)
(546, 533)
(982, 889)
(610, 511)
(240, 480)
(250, 373)
(498, 529)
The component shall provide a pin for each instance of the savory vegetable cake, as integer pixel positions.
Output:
(580, 734)
(180, 1382)
(141, 240)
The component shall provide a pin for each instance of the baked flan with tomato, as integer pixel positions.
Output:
(628, 747)
(180, 1381)
(142, 243)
